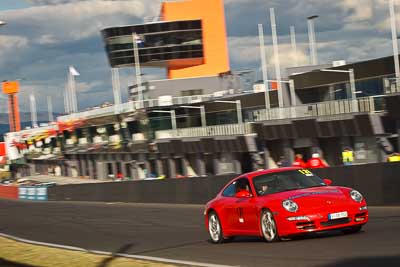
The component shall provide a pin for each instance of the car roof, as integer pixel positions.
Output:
(251, 175)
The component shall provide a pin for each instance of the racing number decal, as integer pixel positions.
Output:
(306, 172)
(240, 212)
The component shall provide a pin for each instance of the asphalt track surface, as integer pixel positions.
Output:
(177, 232)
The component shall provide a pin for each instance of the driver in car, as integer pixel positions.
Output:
(263, 190)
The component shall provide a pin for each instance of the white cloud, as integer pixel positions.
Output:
(44, 39)
(245, 50)
(10, 43)
(358, 11)
(77, 19)
(85, 87)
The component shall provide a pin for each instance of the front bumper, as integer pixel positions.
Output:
(300, 223)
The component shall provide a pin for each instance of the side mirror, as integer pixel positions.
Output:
(243, 194)
(328, 181)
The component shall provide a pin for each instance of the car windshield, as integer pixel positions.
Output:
(285, 181)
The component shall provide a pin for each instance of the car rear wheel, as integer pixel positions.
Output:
(352, 230)
(268, 226)
(214, 228)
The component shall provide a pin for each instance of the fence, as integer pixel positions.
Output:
(371, 104)
(362, 104)
(216, 130)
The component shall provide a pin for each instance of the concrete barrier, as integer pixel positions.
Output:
(379, 183)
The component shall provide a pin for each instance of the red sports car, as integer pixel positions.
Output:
(281, 203)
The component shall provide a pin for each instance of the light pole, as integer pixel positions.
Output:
(311, 38)
(32, 100)
(137, 68)
(173, 116)
(202, 113)
(352, 85)
(293, 45)
(276, 56)
(238, 108)
(394, 41)
(264, 66)
(116, 90)
(50, 108)
(72, 88)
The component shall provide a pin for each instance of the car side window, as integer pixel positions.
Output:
(236, 186)
(230, 191)
(242, 184)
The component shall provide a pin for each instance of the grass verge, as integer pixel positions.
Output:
(14, 253)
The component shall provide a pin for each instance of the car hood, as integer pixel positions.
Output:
(316, 197)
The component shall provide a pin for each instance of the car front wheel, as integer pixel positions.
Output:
(268, 226)
(214, 228)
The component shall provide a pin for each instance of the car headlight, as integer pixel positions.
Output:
(290, 205)
(356, 196)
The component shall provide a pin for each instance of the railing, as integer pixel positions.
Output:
(215, 130)
(371, 104)
(135, 105)
(336, 107)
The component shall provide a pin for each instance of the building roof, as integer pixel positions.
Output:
(374, 68)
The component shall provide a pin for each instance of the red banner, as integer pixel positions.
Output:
(9, 192)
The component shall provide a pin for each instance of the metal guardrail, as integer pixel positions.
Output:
(135, 105)
(215, 130)
(371, 104)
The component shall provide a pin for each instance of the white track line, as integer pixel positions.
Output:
(132, 256)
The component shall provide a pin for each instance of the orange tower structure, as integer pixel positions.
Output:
(212, 16)
(11, 88)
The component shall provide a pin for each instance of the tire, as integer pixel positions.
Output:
(268, 226)
(215, 228)
(352, 230)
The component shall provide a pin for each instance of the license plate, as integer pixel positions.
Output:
(337, 215)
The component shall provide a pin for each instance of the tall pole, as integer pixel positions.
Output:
(33, 110)
(264, 66)
(293, 45)
(353, 90)
(394, 41)
(173, 119)
(239, 111)
(276, 56)
(311, 37)
(137, 69)
(66, 99)
(73, 93)
(116, 89)
(292, 98)
(203, 116)
(50, 108)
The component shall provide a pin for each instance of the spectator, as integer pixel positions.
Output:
(347, 156)
(283, 162)
(299, 162)
(395, 157)
(316, 162)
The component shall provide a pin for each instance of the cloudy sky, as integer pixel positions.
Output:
(43, 37)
